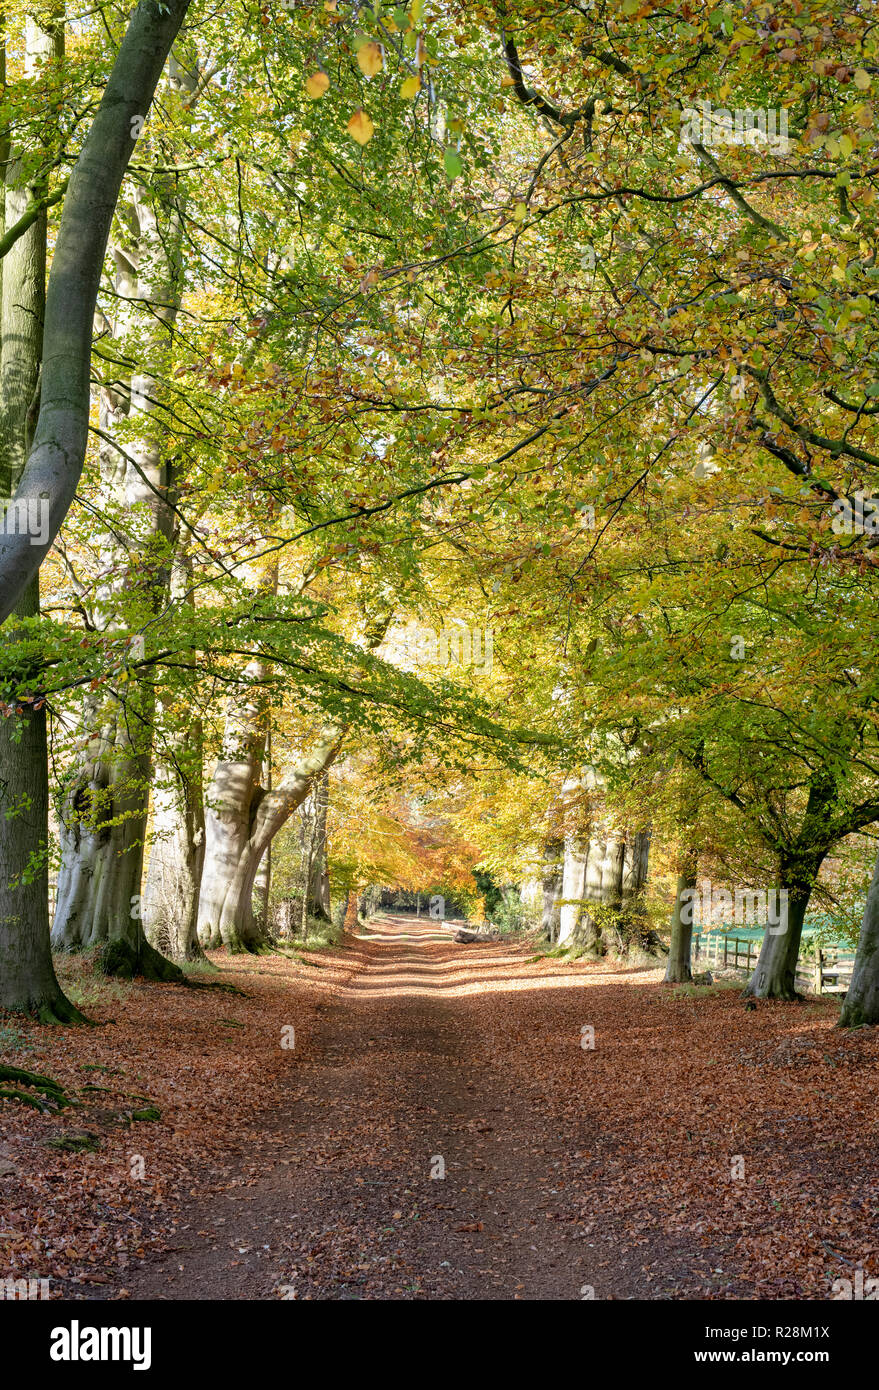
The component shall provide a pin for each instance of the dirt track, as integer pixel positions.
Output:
(405, 1075)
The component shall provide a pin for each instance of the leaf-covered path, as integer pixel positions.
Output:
(404, 1077)
(699, 1150)
(409, 1074)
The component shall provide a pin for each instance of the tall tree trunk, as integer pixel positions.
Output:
(861, 1004)
(612, 872)
(242, 819)
(263, 882)
(56, 457)
(636, 866)
(551, 887)
(581, 886)
(774, 975)
(104, 815)
(679, 969)
(318, 878)
(27, 976)
(173, 879)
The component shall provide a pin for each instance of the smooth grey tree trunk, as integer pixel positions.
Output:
(774, 975)
(27, 976)
(56, 458)
(173, 878)
(263, 881)
(104, 813)
(603, 875)
(636, 866)
(242, 819)
(861, 1004)
(551, 887)
(581, 888)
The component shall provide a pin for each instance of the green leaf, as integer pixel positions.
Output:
(452, 163)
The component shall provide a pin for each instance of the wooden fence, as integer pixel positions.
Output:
(829, 971)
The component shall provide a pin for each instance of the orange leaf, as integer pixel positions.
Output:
(360, 128)
(316, 85)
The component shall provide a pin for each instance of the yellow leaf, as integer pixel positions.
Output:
(316, 85)
(861, 79)
(370, 59)
(360, 128)
(411, 87)
(520, 212)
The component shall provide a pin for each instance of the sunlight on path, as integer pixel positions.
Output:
(408, 957)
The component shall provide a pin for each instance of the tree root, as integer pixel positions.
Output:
(250, 948)
(214, 984)
(75, 1143)
(26, 1099)
(51, 1008)
(122, 960)
(61, 1011)
(51, 1091)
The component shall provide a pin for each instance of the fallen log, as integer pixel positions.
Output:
(473, 936)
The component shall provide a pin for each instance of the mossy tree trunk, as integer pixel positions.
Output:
(799, 862)
(28, 983)
(679, 968)
(774, 975)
